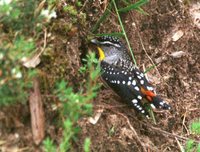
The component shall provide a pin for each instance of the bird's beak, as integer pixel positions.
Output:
(94, 41)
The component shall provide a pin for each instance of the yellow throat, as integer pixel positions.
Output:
(101, 54)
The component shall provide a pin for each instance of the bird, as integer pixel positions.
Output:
(124, 77)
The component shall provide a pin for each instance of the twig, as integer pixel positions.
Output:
(45, 42)
(171, 134)
(183, 122)
(86, 1)
(179, 145)
(142, 44)
(165, 132)
(128, 122)
(133, 130)
(37, 113)
(147, 53)
(110, 107)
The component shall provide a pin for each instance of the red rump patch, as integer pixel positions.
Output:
(149, 94)
(149, 98)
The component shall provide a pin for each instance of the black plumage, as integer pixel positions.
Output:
(123, 77)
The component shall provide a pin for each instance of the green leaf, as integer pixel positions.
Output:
(133, 6)
(87, 144)
(150, 68)
(198, 148)
(140, 10)
(127, 2)
(48, 145)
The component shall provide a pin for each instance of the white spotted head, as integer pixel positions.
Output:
(111, 49)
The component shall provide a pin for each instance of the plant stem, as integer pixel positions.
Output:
(103, 18)
(124, 32)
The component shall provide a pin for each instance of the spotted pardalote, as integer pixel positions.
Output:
(123, 77)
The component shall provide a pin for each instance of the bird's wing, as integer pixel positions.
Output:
(125, 85)
(138, 75)
(146, 88)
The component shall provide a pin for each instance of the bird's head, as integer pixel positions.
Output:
(110, 48)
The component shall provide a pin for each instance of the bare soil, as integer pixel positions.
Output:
(119, 128)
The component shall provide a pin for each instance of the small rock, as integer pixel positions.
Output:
(177, 54)
(177, 35)
(195, 14)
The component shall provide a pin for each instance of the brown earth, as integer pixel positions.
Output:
(119, 128)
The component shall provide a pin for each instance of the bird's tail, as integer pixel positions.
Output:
(157, 102)
(154, 100)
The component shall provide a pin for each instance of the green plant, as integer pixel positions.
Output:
(49, 146)
(76, 104)
(111, 131)
(70, 9)
(191, 145)
(129, 7)
(78, 3)
(21, 26)
(195, 127)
